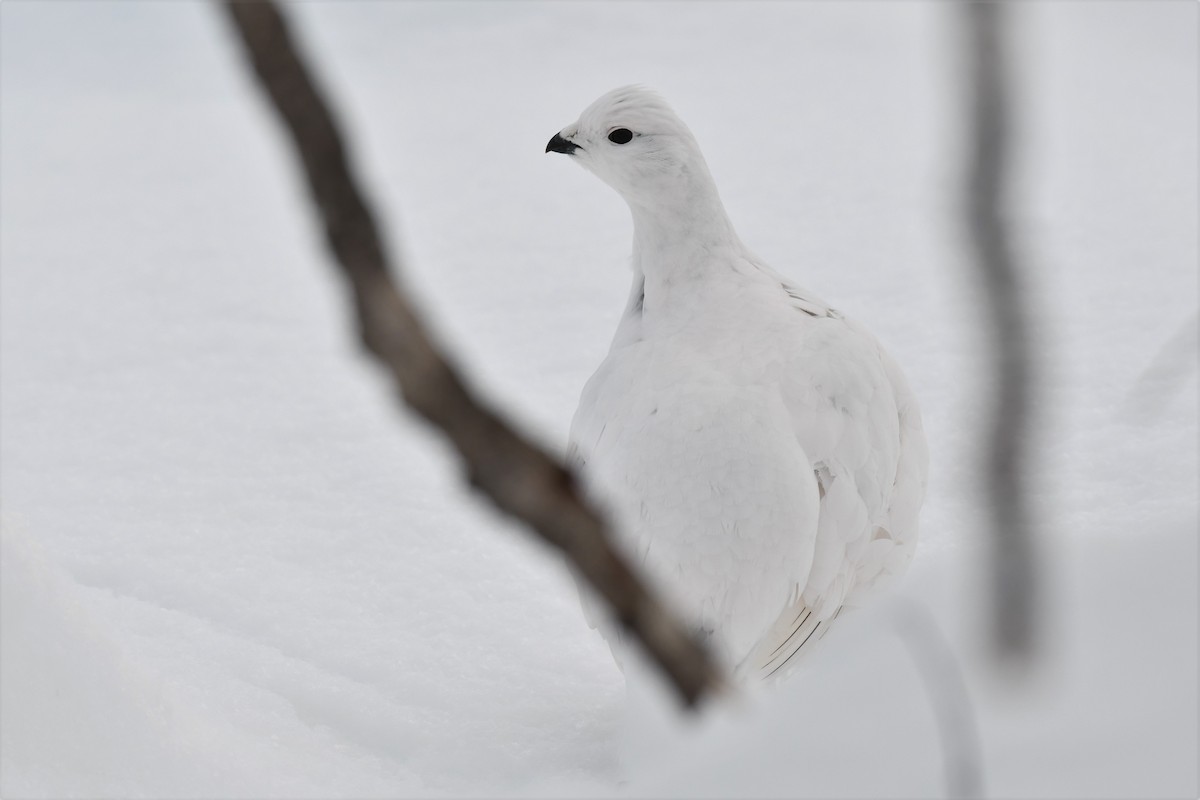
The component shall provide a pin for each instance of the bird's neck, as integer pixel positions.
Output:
(684, 240)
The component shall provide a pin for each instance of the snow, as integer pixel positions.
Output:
(230, 568)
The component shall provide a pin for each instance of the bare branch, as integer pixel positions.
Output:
(1015, 590)
(949, 698)
(519, 478)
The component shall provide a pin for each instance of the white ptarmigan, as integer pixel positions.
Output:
(758, 451)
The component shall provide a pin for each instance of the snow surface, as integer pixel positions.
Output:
(230, 568)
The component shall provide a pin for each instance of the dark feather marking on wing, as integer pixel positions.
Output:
(792, 294)
(793, 633)
(797, 650)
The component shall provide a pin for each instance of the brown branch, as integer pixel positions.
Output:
(1015, 589)
(519, 478)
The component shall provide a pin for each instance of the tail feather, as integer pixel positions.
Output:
(793, 637)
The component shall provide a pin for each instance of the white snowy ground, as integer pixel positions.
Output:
(231, 568)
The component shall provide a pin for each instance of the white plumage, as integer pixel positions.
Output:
(760, 454)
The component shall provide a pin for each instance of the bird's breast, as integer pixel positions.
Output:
(705, 479)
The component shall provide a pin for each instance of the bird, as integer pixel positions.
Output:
(758, 452)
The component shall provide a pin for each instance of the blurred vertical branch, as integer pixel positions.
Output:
(519, 478)
(1015, 585)
(949, 697)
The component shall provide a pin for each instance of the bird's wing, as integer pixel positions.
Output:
(795, 634)
(857, 422)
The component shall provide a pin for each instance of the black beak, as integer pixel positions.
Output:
(560, 145)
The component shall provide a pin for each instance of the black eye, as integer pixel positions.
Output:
(620, 136)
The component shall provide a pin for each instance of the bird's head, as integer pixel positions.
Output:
(632, 140)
